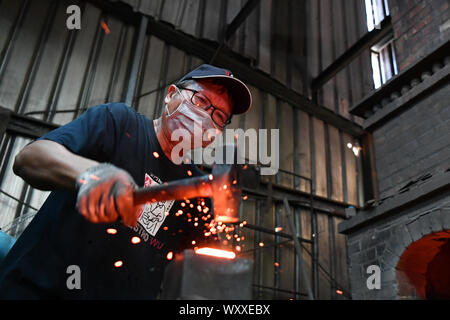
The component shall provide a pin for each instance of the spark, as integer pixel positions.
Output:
(193, 242)
(111, 231)
(105, 27)
(118, 263)
(169, 255)
(189, 172)
(191, 205)
(187, 201)
(238, 248)
(199, 208)
(225, 187)
(135, 240)
(206, 210)
(278, 229)
(196, 224)
(245, 197)
(210, 177)
(166, 213)
(339, 291)
(234, 181)
(165, 228)
(183, 204)
(261, 244)
(156, 154)
(276, 264)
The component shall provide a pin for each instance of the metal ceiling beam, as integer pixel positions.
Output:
(240, 18)
(367, 41)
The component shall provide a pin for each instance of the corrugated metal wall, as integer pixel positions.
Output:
(54, 74)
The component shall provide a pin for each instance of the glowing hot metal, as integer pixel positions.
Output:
(216, 253)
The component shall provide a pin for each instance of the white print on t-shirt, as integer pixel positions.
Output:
(153, 214)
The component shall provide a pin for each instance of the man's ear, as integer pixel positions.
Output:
(170, 93)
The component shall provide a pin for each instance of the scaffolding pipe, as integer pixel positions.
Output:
(297, 248)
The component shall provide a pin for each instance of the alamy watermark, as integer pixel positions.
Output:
(257, 147)
(374, 280)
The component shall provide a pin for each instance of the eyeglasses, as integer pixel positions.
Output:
(220, 118)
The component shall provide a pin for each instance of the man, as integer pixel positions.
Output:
(88, 240)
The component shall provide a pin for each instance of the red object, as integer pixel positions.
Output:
(105, 27)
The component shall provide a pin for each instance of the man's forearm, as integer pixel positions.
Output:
(47, 165)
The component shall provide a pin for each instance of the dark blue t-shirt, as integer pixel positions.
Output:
(59, 236)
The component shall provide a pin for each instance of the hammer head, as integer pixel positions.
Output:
(226, 192)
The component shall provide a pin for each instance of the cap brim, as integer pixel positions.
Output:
(240, 93)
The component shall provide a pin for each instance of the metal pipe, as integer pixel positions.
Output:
(297, 248)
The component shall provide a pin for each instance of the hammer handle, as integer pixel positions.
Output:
(176, 190)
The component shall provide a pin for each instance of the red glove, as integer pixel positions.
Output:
(105, 193)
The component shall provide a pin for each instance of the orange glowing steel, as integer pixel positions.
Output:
(216, 253)
(111, 231)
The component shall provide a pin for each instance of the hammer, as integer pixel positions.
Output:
(222, 186)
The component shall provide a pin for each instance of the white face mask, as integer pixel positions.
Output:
(192, 122)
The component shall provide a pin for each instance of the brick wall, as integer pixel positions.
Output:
(419, 27)
(413, 143)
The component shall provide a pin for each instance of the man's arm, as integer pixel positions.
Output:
(48, 165)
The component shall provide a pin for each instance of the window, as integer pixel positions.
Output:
(384, 64)
(376, 11)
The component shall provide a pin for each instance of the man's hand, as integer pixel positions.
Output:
(105, 193)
